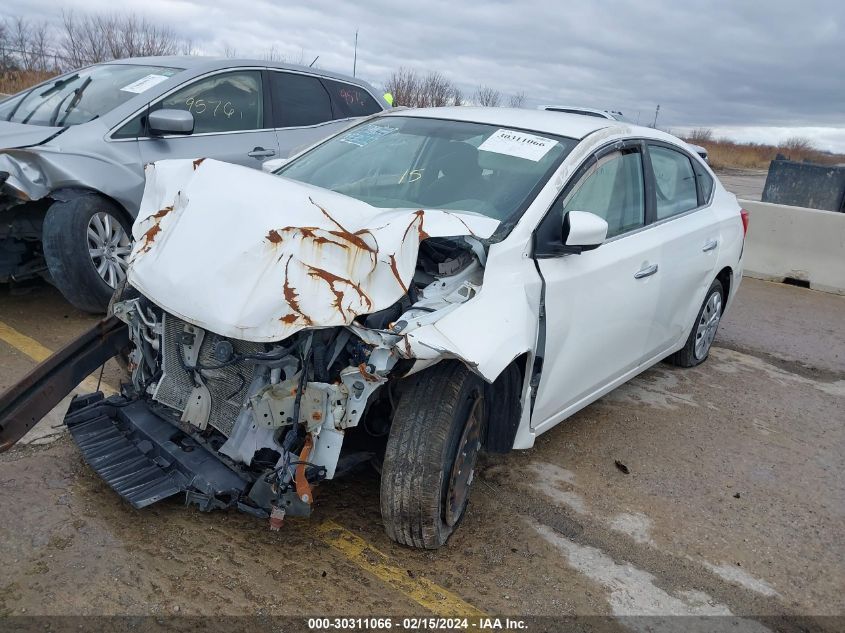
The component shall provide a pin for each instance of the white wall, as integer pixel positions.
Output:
(795, 242)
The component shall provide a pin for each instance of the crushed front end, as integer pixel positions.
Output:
(231, 423)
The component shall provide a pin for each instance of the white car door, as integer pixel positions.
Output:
(688, 233)
(599, 304)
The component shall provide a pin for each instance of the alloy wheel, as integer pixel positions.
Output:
(707, 325)
(109, 246)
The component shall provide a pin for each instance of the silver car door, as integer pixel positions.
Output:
(230, 121)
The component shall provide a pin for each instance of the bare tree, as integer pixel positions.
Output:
(404, 85)
(700, 135)
(435, 91)
(93, 38)
(432, 90)
(486, 96)
(517, 100)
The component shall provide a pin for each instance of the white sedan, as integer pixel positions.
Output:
(432, 282)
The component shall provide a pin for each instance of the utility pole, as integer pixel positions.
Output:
(355, 58)
(656, 112)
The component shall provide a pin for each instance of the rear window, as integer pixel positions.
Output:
(705, 182)
(349, 100)
(299, 100)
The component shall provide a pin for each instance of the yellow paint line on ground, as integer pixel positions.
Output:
(37, 352)
(423, 591)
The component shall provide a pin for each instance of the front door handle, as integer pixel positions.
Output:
(648, 271)
(260, 152)
(709, 246)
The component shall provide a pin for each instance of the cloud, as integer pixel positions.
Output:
(716, 63)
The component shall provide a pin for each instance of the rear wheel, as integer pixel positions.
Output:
(87, 242)
(697, 347)
(429, 463)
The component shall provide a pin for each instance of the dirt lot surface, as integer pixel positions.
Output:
(733, 503)
(746, 184)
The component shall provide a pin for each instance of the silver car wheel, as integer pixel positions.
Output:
(109, 246)
(707, 325)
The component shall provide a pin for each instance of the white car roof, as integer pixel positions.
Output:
(575, 126)
(557, 108)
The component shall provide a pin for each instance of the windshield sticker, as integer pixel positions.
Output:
(519, 144)
(144, 83)
(367, 134)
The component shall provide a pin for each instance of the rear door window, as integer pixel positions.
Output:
(298, 100)
(349, 100)
(674, 181)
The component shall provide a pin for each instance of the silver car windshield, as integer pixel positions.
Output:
(409, 162)
(82, 95)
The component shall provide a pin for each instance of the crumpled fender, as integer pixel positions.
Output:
(258, 257)
(493, 328)
(35, 173)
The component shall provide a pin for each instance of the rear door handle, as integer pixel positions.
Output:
(709, 246)
(648, 271)
(260, 152)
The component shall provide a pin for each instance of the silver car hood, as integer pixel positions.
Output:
(14, 135)
(258, 257)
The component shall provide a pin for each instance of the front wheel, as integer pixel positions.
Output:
(697, 347)
(86, 245)
(429, 463)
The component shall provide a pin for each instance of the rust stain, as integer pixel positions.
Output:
(273, 236)
(149, 237)
(367, 375)
(344, 234)
(303, 488)
(160, 214)
(317, 416)
(198, 162)
(292, 298)
(331, 279)
(395, 270)
(151, 233)
(407, 344)
(418, 215)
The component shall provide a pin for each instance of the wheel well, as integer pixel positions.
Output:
(69, 193)
(725, 276)
(504, 396)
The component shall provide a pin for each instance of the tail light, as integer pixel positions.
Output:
(745, 217)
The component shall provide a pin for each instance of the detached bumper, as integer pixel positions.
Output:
(146, 459)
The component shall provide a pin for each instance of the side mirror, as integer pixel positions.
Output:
(269, 166)
(168, 121)
(582, 231)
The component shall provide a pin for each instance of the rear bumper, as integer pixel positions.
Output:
(145, 458)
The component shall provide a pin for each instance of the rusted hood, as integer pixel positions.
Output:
(258, 257)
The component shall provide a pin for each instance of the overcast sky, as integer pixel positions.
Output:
(759, 71)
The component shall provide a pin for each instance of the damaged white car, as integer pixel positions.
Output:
(442, 281)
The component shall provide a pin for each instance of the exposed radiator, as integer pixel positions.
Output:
(228, 386)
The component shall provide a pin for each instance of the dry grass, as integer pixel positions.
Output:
(729, 154)
(12, 81)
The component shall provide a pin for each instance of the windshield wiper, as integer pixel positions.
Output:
(77, 96)
(59, 84)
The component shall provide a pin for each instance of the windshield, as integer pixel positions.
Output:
(82, 95)
(409, 162)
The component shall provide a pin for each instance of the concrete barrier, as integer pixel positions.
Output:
(795, 243)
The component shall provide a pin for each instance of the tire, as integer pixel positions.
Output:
(70, 230)
(697, 348)
(429, 463)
